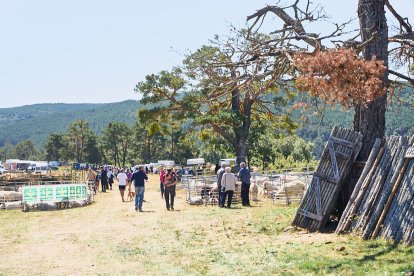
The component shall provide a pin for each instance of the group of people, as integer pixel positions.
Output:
(168, 181)
(226, 184)
(105, 176)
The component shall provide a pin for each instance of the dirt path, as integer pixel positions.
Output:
(110, 237)
(79, 237)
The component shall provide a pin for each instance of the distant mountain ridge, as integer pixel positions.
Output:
(36, 122)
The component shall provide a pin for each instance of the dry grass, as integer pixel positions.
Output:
(109, 238)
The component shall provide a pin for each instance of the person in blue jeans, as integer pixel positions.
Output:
(138, 178)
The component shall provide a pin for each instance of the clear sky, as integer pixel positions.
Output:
(95, 51)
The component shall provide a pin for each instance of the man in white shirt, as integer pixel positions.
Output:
(122, 181)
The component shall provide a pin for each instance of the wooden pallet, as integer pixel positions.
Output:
(334, 166)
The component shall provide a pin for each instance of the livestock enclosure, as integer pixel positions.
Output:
(284, 187)
(14, 185)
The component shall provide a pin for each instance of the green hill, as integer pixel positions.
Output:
(36, 122)
(399, 120)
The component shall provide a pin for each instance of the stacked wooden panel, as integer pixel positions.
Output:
(334, 167)
(382, 203)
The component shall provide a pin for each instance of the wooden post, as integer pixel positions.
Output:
(360, 187)
(409, 155)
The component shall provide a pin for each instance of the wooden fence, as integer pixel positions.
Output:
(382, 203)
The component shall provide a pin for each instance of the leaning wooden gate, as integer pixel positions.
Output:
(334, 166)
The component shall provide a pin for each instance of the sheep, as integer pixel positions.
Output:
(253, 191)
(6, 196)
(294, 187)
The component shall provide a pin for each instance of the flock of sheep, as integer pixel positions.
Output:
(285, 186)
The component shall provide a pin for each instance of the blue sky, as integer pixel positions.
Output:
(97, 50)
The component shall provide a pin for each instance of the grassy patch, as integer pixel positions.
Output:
(194, 240)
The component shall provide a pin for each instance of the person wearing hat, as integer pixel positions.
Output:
(139, 177)
(220, 173)
(169, 181)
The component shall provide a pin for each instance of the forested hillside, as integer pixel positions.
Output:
(36, 122)
(316, 127)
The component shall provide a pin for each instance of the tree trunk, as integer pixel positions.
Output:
(240, 147)
(370, 120)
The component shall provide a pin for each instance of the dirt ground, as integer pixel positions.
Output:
(110, 238)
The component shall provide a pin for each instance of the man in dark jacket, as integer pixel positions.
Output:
(104, 179)
(244, 177)
(139, 177)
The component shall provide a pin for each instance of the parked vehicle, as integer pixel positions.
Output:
(166, 163)
(3, 170)
(39, 167)
(195, 161)
(229, 161)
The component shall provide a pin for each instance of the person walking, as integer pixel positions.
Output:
(162, 173)
(110, 178)
(169, 181)
(97, 180)
(244, 176)
(90, 179)
(220, 173)
(122, 182)
(139, 177)
(104, 179)
(228, 185)
(129, 175)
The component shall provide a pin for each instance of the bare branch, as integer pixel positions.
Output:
(290, 22)
(404, 36)
(404, 77)
(403, 21)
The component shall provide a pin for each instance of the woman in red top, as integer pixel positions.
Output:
(169, 181)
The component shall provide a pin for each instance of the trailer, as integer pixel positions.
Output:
(166, 163)
(195, 162)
